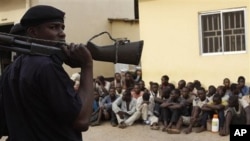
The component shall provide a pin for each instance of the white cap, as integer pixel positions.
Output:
(138, 68)
(75, 77)
(124, 70)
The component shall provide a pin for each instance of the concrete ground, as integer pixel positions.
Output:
(138, 132)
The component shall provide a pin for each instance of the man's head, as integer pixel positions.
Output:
(137, 89)
(40, 14)
(185, 92)
(226, 82)
(142, 84)
(44, 22)
(17, 29)
(201, 93)
(175, 94)
(146, 96)
(235, 88)
(126, 96)
(221, 90)
(164, 79)
(241, 81)
(211, 90)
(155, 87)
(217, 99)
(181, 84)
(118, 76)
(233, 101)
(118, 87)
(112, 91)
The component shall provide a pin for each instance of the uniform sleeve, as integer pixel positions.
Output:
(59, 92)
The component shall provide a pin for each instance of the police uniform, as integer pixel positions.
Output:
(39, 100)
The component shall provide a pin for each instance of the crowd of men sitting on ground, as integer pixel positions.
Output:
(125, 100)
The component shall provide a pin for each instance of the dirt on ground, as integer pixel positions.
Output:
(138, 132)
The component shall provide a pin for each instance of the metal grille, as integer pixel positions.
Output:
(223, 31)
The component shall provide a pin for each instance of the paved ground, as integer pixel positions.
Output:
(106, 132)
(144, 133)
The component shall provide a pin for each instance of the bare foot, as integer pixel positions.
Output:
(188, 130)
(95, 123)
(122, 125)
(223, 132)
(173, 131)
(155, 127)
(201, 129)
(163, 129)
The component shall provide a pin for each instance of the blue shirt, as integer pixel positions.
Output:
(107, 101)
(245, 90)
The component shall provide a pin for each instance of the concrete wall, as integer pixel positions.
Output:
(170, 29)
(125, 29)
(87, 18)
(83, 19)
(11, 10)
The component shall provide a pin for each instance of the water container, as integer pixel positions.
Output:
(215, 123)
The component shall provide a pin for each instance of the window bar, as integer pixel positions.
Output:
(240, 17)
(241, 41)
(234, 34)
(208, 43)
(222, 31)
(234, 20)
(212, 22)
(207, 24)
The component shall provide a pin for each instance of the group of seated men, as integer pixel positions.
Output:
(170, 108)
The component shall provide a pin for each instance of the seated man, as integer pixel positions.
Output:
(145, 106)
(171, 109)
(102, 85)
(106, 106)
(237, 113)
(125, 109)
(186, 111)
(165, 95)
(136, 91)
(214, 107)
(196, 110)
(95, 116)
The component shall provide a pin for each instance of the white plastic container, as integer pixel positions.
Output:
(215, 123)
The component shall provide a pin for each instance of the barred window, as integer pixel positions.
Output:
(223, 31)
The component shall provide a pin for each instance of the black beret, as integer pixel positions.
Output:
(17, 29)
(40, 14)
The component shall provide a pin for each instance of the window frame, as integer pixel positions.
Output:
(200, 14)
